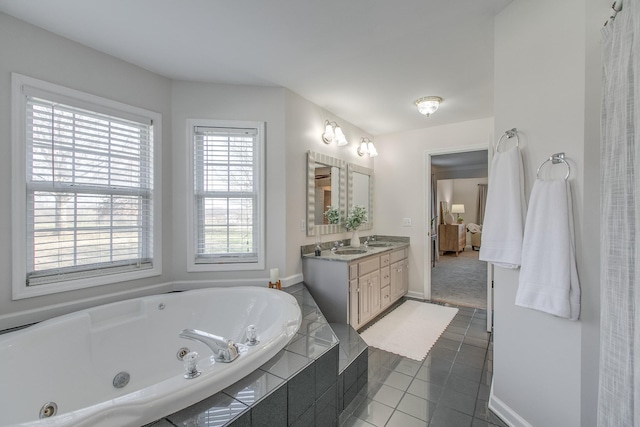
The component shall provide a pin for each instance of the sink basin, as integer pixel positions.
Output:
(350, 251)
(380, 244)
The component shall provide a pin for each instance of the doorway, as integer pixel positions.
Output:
(453, 273)
(458, 276)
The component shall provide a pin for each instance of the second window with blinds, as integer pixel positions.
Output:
(226, 196)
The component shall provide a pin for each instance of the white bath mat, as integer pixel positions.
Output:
(411, 329)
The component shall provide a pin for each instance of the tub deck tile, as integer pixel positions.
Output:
(286, 364)
(219, 409)
(254, 387)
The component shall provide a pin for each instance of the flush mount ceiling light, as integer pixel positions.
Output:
(428, 104)
(366, 147)
(332, 132)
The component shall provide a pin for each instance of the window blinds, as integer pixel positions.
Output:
(89, 192)
(226, 195)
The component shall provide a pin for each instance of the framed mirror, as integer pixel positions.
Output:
(326, 187)
(360, 191)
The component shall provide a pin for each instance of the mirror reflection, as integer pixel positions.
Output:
(360, 183)
(326, 187)
(327, 193)
(361, 191)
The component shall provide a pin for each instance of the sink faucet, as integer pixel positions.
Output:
(336, 246)
(224, 350)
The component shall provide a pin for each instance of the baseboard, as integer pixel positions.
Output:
(415, 295)
(505, 413)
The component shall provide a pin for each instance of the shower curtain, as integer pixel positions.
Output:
(481, 203)
(619, 385)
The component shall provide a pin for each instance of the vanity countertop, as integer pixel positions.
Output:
(328, 255)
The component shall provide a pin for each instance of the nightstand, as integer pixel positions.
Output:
(453, 238)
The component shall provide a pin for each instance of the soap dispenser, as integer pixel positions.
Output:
(318, 248)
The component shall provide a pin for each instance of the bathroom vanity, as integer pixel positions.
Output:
(355, 288)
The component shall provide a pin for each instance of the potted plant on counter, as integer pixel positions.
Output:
(354, 220)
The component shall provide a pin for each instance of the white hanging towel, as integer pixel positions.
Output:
(505, 211)
(548, 276)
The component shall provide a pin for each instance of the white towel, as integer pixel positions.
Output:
(548, 276)
(505, 211)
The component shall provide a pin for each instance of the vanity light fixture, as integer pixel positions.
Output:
(428, 105)
(366, 147)
(332, 132)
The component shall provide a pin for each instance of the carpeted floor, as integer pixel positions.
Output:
(460, 280)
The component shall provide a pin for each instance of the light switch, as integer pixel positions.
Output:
(406, 222)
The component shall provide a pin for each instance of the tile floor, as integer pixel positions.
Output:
(449, 388)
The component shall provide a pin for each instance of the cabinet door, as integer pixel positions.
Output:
(364, 299)
(370, 303)
(374, 293)
(354, 303)
(395, 282)
(405, 276)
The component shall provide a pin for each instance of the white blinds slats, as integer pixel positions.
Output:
(89, 192)
(226, 195)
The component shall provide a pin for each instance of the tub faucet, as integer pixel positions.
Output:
(224, 350)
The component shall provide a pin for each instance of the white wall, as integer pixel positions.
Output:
(545, 370)
(28, 50)
(401, 180)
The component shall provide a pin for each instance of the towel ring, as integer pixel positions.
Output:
(555, 159)
(509, 134)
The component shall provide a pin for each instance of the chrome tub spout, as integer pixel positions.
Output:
(224, 350)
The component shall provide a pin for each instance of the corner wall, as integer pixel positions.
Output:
(544, 370)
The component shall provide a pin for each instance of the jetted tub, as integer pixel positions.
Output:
(72, 361)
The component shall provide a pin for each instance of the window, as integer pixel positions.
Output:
(87, 194)
(227, 195)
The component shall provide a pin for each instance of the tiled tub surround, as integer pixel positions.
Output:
(308, 383)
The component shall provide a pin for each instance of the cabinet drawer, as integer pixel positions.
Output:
(385, 294)
(385, 277)
(396, 256)
(369, 265)
(384, 260)
(353, 271)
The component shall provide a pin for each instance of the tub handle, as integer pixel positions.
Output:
(191, 365)
(252, 335)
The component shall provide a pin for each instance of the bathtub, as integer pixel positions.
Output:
(73, 360)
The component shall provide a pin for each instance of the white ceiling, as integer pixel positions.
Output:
(364, 60)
